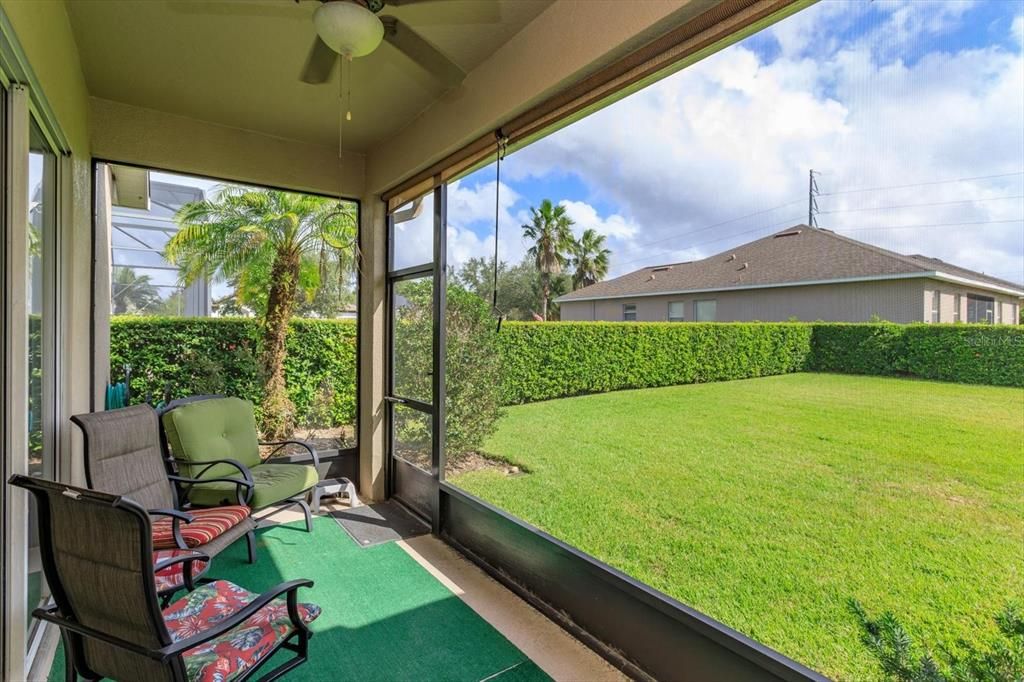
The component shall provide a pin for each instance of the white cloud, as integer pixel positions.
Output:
(735, 135)
(586, 217)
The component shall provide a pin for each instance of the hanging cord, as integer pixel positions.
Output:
(502, 141)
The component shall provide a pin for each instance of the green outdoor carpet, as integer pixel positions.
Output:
(384, 617)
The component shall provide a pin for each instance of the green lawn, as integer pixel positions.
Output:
(767, 503)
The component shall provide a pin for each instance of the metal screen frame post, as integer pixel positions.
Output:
(438, 458)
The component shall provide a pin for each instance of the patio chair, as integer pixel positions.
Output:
(95, 550)
(214, 440)
(124, 456)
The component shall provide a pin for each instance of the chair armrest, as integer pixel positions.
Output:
(174, 513)
(177, 517)
(186, 570)
(210, 463)
(234, 620)
(302, 443)
(51, 615)
(243, 488)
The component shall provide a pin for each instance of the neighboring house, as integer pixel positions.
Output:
(805, 274)
(138, 238)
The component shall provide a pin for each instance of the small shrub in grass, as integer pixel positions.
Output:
(902, 659)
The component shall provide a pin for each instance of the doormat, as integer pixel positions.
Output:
(375, 524)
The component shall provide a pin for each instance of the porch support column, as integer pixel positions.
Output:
(372, 348)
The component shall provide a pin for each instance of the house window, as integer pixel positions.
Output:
(980, 309)
(936, 299)
(705, 311)
(629, 312)
(999, 313)
(956, 307)
(676, 311)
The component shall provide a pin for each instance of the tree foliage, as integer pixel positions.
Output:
(132, 293)
(590, 259)
(550, 231)
(518, 286)
(277, 249)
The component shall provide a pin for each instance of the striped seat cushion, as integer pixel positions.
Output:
(206, 525)
(172, 578)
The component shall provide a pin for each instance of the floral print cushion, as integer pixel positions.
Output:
(240, 649)
(171, 578)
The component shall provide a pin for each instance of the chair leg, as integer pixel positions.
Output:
(250, 541)
(301, 501)
(69, 665)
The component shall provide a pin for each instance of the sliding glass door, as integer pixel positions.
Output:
(40, 312)
(29, 365)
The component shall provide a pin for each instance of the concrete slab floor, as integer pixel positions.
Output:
(558, 653)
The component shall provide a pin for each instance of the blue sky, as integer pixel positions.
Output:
(879, 94)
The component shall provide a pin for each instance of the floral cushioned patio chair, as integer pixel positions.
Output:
(96, 551)
(214, 441)
(124, 456)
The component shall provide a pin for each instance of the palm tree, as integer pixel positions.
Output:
(130, 292)
(550, 230)
(589, 259)
(277, 246)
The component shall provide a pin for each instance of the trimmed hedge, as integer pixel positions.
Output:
(544, 360)
(968, 354)
(218, 355)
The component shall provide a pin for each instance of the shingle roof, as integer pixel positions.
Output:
(796, 254)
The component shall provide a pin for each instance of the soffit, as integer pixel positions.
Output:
(237, 62)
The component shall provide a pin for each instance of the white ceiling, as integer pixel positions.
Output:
(237, 62)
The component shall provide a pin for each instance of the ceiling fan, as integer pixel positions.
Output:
(352, 28)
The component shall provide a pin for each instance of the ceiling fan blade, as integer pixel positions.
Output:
(319, 63)
(420, 51)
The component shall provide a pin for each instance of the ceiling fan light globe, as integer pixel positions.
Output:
(347, 28)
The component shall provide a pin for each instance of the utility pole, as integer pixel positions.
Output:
(812, 200)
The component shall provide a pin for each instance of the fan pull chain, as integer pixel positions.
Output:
(348, 87)
(341, 107)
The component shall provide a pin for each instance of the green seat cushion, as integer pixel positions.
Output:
(219, 428)
(274, 483)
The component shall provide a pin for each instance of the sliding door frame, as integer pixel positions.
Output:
(417, 489)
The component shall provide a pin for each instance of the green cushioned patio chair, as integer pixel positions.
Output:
(213, 437)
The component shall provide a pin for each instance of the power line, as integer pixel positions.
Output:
(921, 184)
(845, 229)
(907, 227)
(930, 203)
(724, 222)
(789, 221)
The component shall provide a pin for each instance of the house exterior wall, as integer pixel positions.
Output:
(902, 301)
(1008, 307)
